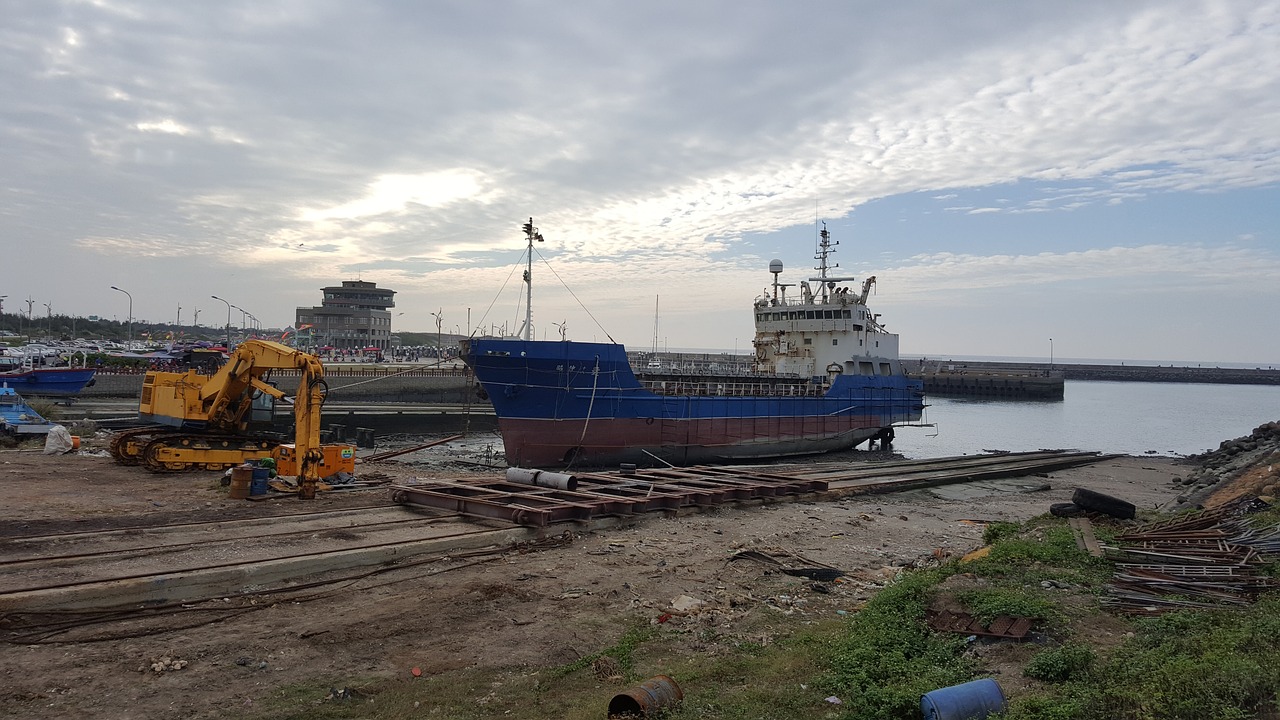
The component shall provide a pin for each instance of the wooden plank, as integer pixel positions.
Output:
(1085, 539)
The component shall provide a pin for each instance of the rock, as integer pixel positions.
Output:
(684, 603)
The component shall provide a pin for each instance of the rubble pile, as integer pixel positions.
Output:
(1256, 457)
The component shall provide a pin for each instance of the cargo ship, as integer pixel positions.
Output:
(826, 377)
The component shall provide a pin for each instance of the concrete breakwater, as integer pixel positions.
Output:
(453, 386)
(1119, 373)
(366, 385)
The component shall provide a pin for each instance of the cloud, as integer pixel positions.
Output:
(321, 139)
(389, 194)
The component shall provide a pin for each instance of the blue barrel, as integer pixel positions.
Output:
(968, 701)
(259, 484)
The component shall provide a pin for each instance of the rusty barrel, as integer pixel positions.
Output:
(241, 479)
(648, 699)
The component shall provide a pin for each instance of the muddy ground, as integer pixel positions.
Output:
(540, 608)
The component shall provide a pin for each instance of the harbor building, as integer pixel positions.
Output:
(353, 316)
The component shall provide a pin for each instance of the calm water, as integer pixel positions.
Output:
(1110, 417)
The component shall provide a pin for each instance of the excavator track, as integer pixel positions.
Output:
(186, 452)
(127, 445)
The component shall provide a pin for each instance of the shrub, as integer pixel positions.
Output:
(1060, 664)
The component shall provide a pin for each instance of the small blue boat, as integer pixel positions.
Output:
(19, 418)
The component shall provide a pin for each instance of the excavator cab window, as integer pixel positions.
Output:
(262, 409)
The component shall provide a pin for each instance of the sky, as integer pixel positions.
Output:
(1087, 179)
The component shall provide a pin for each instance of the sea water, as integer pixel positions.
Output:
(1133, 418)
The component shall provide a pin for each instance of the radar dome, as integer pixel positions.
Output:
(775, 266)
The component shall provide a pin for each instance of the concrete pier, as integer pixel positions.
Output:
(1119, 373)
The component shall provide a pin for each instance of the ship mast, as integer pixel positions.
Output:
(531, 233)
(824, 249)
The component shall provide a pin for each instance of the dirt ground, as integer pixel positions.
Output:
(541, 608)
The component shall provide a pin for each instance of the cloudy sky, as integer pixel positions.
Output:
(1104, 174)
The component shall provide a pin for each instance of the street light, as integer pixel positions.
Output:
(439, 316)
(126, 292)
(1050, 353)
(215, 297)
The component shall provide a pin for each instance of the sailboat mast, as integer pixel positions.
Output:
(531, 233)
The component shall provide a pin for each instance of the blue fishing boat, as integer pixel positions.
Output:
(27, 379)
(826, 377)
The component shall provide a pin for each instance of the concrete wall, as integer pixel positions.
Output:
(343, 387)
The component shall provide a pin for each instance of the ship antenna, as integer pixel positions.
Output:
(531, 233)
(824, 249)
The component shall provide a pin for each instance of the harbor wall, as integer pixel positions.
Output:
(997, 379)
(1118, 373)
(361, 385)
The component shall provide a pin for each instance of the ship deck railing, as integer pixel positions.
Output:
(732, 389)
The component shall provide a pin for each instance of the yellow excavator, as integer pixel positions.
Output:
(206, 417)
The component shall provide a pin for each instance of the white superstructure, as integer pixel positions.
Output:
(826, 331)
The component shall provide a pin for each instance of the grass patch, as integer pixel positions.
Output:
(1062, 663)
(888, 657)
(989, 603)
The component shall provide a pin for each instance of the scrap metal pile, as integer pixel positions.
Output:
(1205, 559)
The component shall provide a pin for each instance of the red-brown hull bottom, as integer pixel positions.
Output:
(556, 443)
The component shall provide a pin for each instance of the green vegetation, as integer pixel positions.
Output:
(1202, 665)
(67, 327)
(887, 657)
(1062, 663)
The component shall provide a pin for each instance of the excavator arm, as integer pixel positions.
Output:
(227, 396)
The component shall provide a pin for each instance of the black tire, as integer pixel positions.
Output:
(1065, 510)
(1105, 504)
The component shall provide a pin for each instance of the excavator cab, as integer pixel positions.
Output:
(262, 410)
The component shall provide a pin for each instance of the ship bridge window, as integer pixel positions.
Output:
(846, 313)
(885, 369)
(777, 316)
(835, 341)
(866, 368)
(808, 341)
(826, 315)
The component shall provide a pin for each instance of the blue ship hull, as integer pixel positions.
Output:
(48, 381)
(561, 403)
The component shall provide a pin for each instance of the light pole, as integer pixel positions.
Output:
(196, 320)
(215, 297)
(242, 318)
(126, 292)
(439, 316)
(1050, 353)
(48, 316)
(2, 297)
